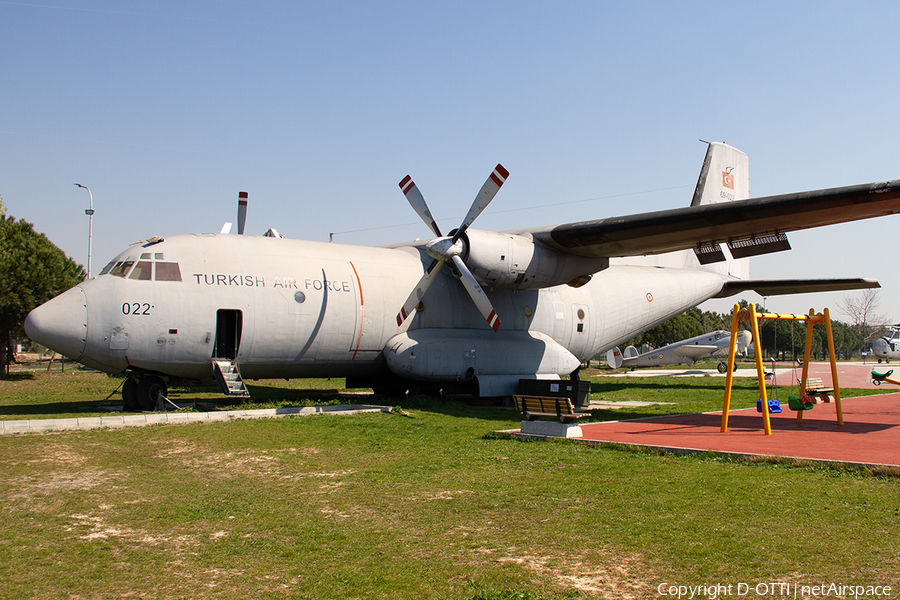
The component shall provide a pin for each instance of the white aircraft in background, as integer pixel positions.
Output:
(686, 351)
(888, 345)
(196, 306)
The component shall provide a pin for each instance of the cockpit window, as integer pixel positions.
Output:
(143, 271)
(108, 267)
(151, 267)
(121, 268)
(166, 271)
(895, 334)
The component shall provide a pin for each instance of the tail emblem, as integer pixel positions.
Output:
(728, 178)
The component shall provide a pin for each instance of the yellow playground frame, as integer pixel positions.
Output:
(753, 317)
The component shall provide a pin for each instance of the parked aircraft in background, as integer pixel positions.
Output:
(888, 345)
(689, 351)
(201, 305)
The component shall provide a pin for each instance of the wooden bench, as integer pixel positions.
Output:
(818, 390)
(533, 407)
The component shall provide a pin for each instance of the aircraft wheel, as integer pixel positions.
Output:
(130, 395)
(722, 367)
(149, 390)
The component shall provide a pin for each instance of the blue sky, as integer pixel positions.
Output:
(318, 109)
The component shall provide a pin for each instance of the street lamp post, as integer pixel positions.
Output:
(90, 213)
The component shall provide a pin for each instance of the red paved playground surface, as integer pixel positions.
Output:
(870, 434)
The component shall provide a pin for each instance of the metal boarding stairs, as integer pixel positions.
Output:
(229, 378)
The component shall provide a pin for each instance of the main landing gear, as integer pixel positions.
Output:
(723, 366)
(142, 393)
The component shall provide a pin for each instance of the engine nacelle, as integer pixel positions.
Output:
(515, 261)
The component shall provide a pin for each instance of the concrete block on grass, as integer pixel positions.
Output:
(551, 429)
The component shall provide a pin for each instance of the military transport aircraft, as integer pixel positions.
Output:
(393, 318)
(689, 351)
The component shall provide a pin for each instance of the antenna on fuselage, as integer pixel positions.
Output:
(242, 212)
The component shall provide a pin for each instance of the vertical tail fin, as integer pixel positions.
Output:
(725, 176)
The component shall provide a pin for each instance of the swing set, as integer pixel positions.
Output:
(796, 404)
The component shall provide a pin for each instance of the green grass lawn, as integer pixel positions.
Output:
(425, 502)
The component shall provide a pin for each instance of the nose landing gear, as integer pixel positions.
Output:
(143, 393)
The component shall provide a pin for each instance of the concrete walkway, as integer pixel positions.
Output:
(161, 418)
(850, 374)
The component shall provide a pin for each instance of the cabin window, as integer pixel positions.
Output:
(143, 271)
(166, 271)
(121, 269)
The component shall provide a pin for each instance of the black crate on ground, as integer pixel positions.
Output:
(579, 392)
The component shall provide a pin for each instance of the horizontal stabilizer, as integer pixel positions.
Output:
(778, 287)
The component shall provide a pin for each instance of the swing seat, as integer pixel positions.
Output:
(795, 403)
(774, 406)
(877, 377)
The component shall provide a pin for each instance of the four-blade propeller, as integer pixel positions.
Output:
(448, 249)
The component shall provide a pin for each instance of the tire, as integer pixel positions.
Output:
(130, 395)
(150, 389)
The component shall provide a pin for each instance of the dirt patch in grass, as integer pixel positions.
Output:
(622, 577)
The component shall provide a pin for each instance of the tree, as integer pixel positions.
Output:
(863, 315)
(32, 271)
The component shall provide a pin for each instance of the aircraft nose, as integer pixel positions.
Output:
(61, 323)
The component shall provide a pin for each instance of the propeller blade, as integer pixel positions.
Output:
(417, 201)
(487, 192)
(478, 296)
(242, 212)
(416, 296)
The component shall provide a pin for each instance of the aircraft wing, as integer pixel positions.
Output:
(776, 287)
(695, 352)
(693, 226)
